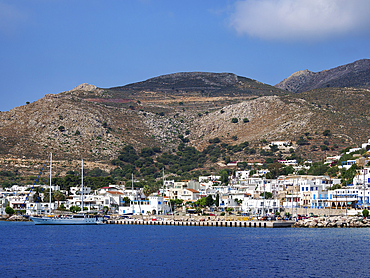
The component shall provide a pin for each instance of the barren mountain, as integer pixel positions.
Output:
(95, 124)
(356, 74)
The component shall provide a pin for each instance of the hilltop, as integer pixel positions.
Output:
(192, 108)
(356, 74)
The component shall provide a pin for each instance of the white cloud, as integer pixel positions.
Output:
(300, 20)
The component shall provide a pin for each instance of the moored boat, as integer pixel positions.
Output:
(75, 219)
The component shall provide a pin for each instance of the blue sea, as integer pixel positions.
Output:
(175, 251)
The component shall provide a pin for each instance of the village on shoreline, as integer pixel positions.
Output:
(246, 196)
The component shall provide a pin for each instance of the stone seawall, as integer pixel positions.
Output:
(334, 222)
(321, 212)
(246, 224)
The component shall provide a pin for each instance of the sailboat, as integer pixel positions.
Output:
(75, 219)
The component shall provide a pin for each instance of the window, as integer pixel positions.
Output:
(302, 188)
(314, 196)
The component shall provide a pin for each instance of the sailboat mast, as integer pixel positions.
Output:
(163, 184)
(82, 186)
(51, 158)
(163, 195)
(132, 184)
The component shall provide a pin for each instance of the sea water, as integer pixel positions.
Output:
(27, 250)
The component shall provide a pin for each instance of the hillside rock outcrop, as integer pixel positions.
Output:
(356, 74)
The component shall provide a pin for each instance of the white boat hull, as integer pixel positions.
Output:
(67, 220)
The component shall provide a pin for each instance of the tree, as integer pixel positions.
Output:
(245, 120)
(58, 196)
(234, 120)
(224, 177)
(266, 195)
(61, 128)
(333, 171)
(324, 147)
(35, 196)
(126, 201)
(209, 201)
(326, 132)
(217, 201)
(201, 202)
(74, 209)
(318, 169)
(301, 141)
(46, 196)
(9, 210)
(61, 207)
(274, 148)
(147, 191)
(365, 213)
(214, 140)
(227, 159)
(275, 169)
(105, 209)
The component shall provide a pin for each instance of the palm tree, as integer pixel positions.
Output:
(147, 191)
(58, 196)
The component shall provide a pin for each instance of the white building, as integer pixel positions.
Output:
(155, 205)
(260, 206)
(362, 178)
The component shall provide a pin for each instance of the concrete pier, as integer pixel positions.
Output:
(245, 224)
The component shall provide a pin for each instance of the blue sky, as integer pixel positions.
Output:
(50, 46)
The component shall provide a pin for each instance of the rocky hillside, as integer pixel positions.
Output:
(356, 74)
(199, 84)
(95, 124)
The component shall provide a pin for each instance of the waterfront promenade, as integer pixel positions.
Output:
(246, 224)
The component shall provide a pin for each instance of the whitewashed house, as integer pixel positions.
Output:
(260, 206)
(155, 205)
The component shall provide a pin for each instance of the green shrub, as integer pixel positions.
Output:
(9, 210)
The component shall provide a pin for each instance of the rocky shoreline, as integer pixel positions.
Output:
(333, 222)
(14, 218)
(313, 222)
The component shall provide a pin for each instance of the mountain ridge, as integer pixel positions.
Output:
(356, 74)
(97, 123)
